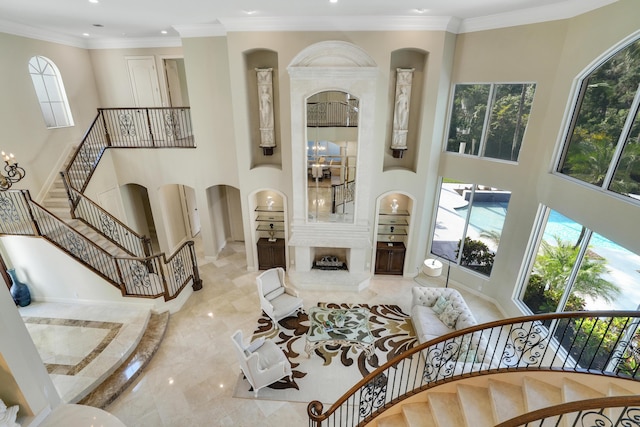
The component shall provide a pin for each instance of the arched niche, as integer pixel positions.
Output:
(342, 67)
(262, 59)
(416, 60)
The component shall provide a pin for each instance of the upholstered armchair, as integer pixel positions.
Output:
(276, 299)
(262, 362)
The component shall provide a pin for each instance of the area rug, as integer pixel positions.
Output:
(331, 370)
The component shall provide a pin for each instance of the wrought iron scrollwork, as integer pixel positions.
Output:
(109, 227)
(440, 361)
(373, 395)
(127, 125)
(526, 346)
(179, 270)
(630, 418)
(8, 211)
(171, 124)
(76, 245)
(139, 274)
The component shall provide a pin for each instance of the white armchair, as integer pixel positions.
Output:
(262, 361)
(276, 299)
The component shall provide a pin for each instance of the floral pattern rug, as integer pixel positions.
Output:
(332, 369)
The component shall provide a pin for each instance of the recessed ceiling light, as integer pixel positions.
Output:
(85, 34)
(98, 25)
(333, 1)
(250, 12)
(93, 1)
(421, 10)
(163, 32)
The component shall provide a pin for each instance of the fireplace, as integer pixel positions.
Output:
(330, 259)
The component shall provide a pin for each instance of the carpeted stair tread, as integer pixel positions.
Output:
(446, 411)
(418, 415)
(396, 420)
(476, 405)
(122, 377)
(573, 391)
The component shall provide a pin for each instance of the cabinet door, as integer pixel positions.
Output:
(382, 260)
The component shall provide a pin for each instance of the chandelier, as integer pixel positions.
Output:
(12, 172)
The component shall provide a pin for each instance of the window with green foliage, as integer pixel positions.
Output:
(575, 269)
(489, 120)
(468, 224)
(603, 143)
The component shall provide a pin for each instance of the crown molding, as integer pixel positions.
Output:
(28, 31)
(554, 12)
(201, 30)
(132, 43)
(342, 23)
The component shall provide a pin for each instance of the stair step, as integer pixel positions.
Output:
(539, 394)
(617, 390)
(476, 405)
(418, 415)
(396, 420)
(573, 391)
(506, 399)
(445, 408)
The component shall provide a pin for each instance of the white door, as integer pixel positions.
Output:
(144, 81)
(189, 203)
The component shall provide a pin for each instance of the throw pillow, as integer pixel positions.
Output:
(470, 356)
(449, 316)
(440, 305)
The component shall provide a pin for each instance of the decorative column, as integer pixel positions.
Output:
(404, 77)
(265, 103)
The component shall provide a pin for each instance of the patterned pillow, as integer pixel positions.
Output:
(440, 305)
(449, 316)
(470, 356)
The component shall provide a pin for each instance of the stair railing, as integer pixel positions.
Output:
(613, 411)
(149, 277)
(596, 342)
(106, 224)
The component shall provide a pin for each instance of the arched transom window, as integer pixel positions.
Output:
(49, 88)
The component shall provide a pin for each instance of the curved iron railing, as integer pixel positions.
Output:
(600, 342)
(614, 411)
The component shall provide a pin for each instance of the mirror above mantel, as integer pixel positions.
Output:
(331, 156)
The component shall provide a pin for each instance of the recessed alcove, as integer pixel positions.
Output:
(406, 59)
(262, 58)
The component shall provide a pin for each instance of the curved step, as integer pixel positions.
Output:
(115, 384)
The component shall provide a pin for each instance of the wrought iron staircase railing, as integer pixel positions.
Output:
(597, 342)
(149, 277)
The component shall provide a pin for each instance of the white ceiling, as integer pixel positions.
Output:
(140, 22)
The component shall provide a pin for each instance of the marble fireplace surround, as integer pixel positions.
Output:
(341, 66)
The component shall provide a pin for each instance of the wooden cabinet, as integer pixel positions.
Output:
(271, 254)
(390, 257)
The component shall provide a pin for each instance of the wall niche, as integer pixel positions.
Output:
(262, 59)
(406, 59)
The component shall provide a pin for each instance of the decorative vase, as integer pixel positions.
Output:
(19, 291)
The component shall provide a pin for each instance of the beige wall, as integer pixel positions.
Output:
(24, 133)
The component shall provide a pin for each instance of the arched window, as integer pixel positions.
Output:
(603, 142)
(50, 91)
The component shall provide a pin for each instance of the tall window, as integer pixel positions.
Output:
(468, 224)
(574, 268)
(489, 120)
(603, 143)
(50, 92)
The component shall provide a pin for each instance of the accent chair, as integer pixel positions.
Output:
(276, 299)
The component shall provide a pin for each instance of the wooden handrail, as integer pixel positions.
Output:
(576, 406)
(453, 340)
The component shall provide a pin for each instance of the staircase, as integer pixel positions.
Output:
(488, 401)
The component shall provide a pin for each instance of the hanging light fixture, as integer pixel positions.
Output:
(12, 172)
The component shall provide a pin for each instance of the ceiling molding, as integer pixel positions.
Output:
(201, 30)
(132, 43)
(535, 15)
(40, 34)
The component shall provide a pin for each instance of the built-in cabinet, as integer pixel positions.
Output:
(390, 258)
(270, 232)
(271, 254)
(391, 235)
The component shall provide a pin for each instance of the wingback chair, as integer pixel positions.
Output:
(276, 299)
(262, 362)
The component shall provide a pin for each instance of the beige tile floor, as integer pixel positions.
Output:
(191, 378)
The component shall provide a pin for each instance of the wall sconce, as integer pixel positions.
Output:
(12, 172)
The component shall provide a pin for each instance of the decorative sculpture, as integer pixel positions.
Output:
(265, 100)
(404, 77)
(8, 415)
